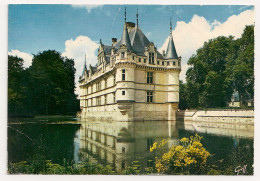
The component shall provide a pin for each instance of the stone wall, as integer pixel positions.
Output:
(228, 122)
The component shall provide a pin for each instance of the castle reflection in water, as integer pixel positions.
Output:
(120, 143)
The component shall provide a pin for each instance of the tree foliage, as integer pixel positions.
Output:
(222, 66)
(47, 86)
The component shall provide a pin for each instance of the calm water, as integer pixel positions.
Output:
(120, 143)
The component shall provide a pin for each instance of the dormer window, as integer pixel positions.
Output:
(122, 54)
(162, 62)
(139, 59)
(145, 60)
(151, 58)
(158, 63)
(173, 63)
(133, 57)
(168, 63)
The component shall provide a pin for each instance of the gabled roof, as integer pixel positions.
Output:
(107, 49)
(92, 69)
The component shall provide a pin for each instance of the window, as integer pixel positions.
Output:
(122, 54)
(149, 96)
(123, 93)
(114, 79)
(149, 77)
(168, 63)
(145, 60)
(98, 86)
(87, 102)
(91, 102)
(151, 58)
(178, 63)
(158, 63)
(91, 88)
(133, 57)
(173, 63)
(98, 101)
(162, 62)
(139, 59)
(114, 97)
(123, 74)
(105, 97)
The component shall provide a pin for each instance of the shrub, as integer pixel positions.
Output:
(190, 157)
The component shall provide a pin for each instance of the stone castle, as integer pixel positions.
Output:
(132, 81)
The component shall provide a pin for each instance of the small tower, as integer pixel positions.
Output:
(171, 51)
(173, 77)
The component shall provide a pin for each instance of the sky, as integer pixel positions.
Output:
(75, 30)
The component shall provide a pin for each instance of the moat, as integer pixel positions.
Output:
(119, 144)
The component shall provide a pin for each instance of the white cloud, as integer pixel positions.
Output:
(25, 56)
(77, 49)
(87, 7)
(188, 37)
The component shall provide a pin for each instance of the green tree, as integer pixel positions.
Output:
(46, 87)
(15, 86)
(240, 67)
(183, 96)
(53, 83)
(223, 65)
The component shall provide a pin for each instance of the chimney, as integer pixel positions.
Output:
(114, 40)
(130, 25)
(163, 52)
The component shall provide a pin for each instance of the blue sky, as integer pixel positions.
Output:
(75, 30)
(34, 28)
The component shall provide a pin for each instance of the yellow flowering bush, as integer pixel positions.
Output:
(190, 157)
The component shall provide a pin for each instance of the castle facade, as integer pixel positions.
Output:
(132, 81)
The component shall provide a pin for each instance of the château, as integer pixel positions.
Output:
(132, 81)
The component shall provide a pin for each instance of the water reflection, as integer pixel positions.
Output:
(120, 143)
(49, 141)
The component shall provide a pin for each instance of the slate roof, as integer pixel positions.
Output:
(136, 42)
(171, 51)
(93, 69)
(125, 40)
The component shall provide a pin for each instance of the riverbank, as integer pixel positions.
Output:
(44, 119)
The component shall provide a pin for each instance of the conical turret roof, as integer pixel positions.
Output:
(85, 67)
(171, 51)
(125, 40)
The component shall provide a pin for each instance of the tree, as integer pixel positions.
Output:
(223, 65)
(46, 87)
(15, 86)
(240, 68)
(53, 83)
(183, 96)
